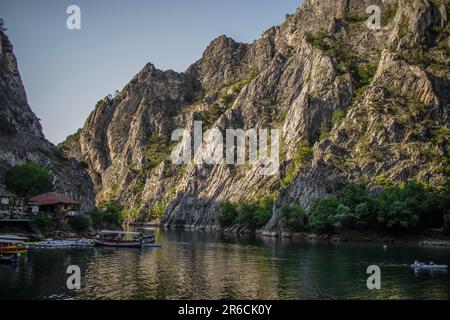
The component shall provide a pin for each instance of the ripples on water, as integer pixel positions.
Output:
(193, 265)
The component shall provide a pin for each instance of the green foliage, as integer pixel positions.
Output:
(349, 210)
(44, 222)
(210, 115)
(321, 213)
(225, 100)
(337, 48)
(333, 47)
(406, 207)
(325, 131)
(398, 208)
(157, 211)
(318, 39)
(338, 116)
(293, 215)
(67, 144)
(282, 117)
(302, 154)
(381, 180)
(156, 152)
(171, 192)
(107, 214)
(364, 74)
(80, 222)
(28, 180)
(250, 215)
(263, 211)
(227, 214)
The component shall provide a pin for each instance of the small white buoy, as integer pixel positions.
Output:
(385, 247)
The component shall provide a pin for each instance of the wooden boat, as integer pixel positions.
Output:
(123, 239)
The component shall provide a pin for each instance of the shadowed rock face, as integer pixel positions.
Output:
(367, 103)
(21, 137)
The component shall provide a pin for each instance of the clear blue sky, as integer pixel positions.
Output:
(66, 72)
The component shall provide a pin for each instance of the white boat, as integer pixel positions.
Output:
(431, 266)
(13, 237)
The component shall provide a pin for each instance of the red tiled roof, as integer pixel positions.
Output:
(51, 198)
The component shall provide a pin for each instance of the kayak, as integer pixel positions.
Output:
(429, 266)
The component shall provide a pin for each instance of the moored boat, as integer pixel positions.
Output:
(431, 266)
(12, 244)
(8, 258)
(123, 239)
(81, 243)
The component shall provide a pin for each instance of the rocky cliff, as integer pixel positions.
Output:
(21, 137)
(352, 103)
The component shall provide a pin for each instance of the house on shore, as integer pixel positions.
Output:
(10, 200)
(54, 203)
(7, 198)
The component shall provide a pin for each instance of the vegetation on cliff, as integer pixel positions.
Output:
(28, 180)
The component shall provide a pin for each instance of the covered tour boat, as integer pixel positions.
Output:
(123, 239)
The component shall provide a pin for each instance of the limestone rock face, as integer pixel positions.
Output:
(21, 137)
(364, 102)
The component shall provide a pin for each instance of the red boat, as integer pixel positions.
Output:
(12, 245)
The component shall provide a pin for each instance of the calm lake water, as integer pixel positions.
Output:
(200, 265)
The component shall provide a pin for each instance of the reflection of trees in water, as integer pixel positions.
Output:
(41, 274)
(212, 266)
(194, 266)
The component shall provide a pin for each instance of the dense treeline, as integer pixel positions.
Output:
(408, 207)
(107, 215)
(28, 180)
(405, 208)
(249, 215)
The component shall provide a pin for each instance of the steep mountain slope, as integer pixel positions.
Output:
(21, 137)
(351, 103)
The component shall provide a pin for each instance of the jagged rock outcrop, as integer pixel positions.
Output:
(21, 137)
(365, 102)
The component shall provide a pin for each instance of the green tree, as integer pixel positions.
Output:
(293, 216)
(106, 214)
(321, 213)
(227, 214)
(44, 222)
(263, 212)
(401, 208)
(28, 180)
(81, 222)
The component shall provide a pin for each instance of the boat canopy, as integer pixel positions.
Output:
(119, 232)
(12, 237)
(11, 241)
